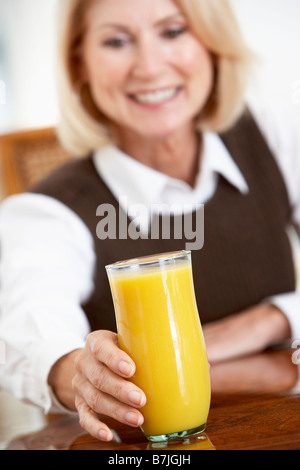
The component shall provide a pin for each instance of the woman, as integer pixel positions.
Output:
(153, 91)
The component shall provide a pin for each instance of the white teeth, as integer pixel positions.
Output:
(156, 97)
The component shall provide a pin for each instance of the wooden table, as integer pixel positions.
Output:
(255, 405)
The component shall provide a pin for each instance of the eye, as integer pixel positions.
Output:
(173, 33)
(116, 42)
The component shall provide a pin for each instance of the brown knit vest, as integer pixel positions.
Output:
(246, 255)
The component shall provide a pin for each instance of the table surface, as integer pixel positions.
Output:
(255, 405)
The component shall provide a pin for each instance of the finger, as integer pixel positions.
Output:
(104, 346)
(91, 423)
(102, 403)
(106, 381)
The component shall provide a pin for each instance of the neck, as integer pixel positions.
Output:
(176, 156)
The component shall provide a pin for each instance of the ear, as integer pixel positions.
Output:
(78, 70)
(80, 63)
(82, 70)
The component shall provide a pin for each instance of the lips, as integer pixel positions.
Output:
(155, 97)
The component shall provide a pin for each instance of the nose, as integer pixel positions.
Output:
(149, 60)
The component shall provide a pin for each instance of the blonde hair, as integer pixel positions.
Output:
(83, 128)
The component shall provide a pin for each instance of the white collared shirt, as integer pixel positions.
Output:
(112, 165)
(48, 257)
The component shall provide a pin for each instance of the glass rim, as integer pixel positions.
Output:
(148, 260)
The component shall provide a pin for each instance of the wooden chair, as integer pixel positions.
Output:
(28, 156)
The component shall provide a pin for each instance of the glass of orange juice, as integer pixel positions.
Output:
(159, 328)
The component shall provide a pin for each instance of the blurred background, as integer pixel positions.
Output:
(27, 50)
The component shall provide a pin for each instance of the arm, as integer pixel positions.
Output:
(246, 333)
(44, 278)
(46, 273)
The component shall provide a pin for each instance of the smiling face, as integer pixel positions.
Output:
(147, 72)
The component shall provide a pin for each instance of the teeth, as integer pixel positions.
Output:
(156, 96)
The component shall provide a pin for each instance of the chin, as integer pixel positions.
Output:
(159, 132)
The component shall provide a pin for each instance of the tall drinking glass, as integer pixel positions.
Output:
(159, 328)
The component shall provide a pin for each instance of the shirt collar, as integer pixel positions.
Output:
(218, 159)
(130, 179)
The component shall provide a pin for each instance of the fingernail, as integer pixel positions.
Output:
(136, 398)
(125, 368)
(134, 419)
(103, 435)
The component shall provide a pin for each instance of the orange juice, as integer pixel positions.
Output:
(159, 328)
